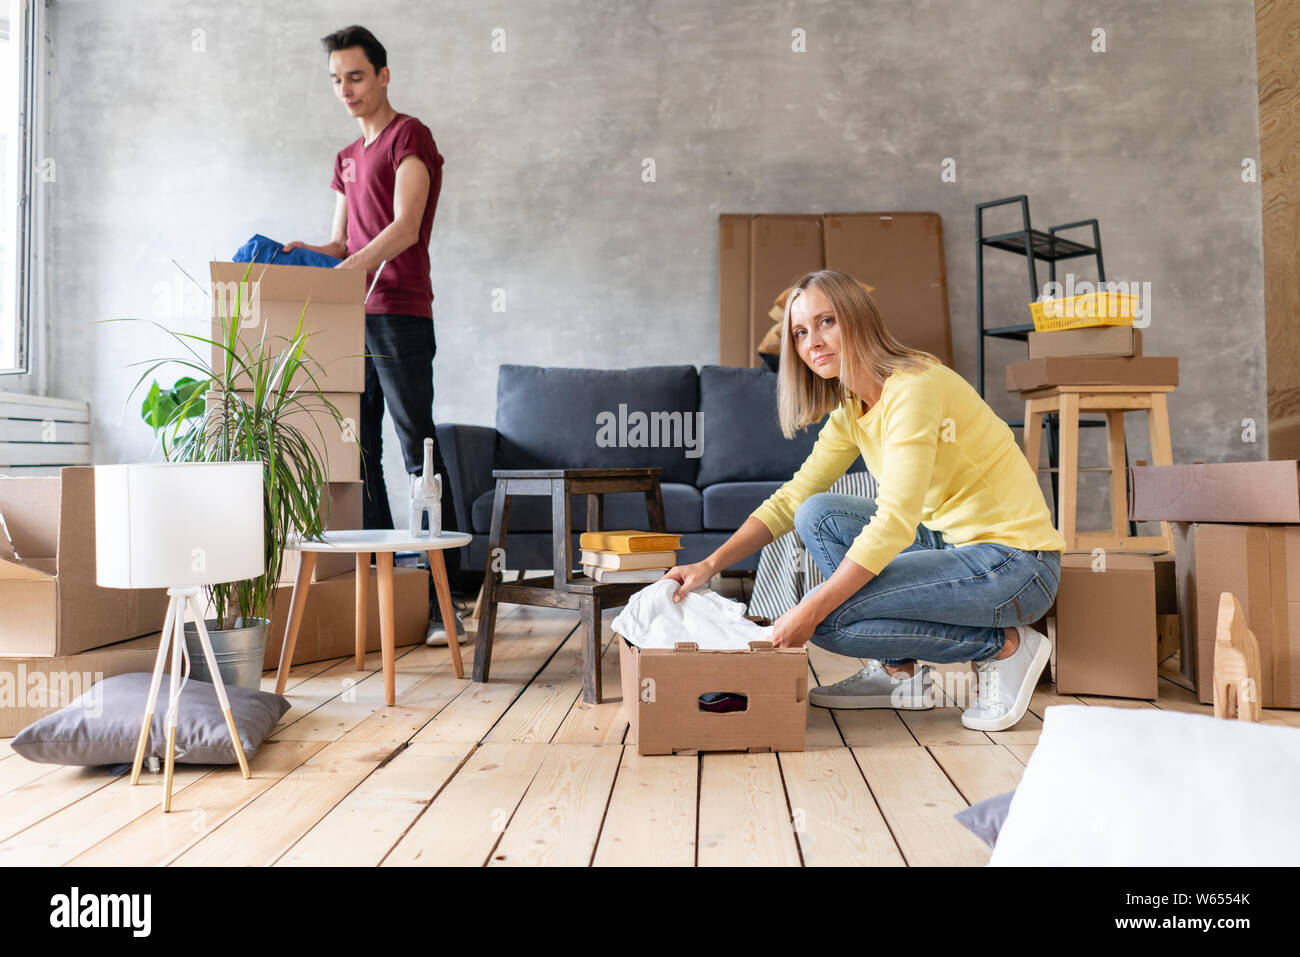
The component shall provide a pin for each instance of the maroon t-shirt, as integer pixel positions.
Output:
(367, 176)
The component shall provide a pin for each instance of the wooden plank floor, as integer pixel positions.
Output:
(520, 771)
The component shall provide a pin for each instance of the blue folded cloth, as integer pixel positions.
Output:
(259, 249)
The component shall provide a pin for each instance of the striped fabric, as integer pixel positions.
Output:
(786, 572)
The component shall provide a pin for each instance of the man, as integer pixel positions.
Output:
(388, 183)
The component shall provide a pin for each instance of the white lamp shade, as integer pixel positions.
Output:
(167, 525)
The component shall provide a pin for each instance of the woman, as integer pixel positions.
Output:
(955, 558)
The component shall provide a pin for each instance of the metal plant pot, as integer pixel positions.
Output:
(240, 652)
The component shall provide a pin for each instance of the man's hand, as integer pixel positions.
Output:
(290, 247)
(795, 627)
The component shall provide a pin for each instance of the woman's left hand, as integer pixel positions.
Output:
(794, 628)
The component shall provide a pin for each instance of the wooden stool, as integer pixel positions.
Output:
(1114, 400)
(563, 589)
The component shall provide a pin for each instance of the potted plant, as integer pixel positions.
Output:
(241, 413)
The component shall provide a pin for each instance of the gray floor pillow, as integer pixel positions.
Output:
(985, 818)
(103, 725)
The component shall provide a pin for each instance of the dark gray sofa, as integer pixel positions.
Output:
(718, 444)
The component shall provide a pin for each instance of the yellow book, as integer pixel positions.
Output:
(626, 540)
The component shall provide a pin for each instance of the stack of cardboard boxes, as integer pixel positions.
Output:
(331, 306)
(1236, 529)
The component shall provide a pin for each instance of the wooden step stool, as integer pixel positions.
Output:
(1114, 400)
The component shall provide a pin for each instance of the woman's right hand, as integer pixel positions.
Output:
(690, 577)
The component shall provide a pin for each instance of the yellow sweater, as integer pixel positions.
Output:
(941, 458)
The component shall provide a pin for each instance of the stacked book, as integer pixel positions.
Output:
(628, 555)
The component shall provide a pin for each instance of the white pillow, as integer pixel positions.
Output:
(1140, 786)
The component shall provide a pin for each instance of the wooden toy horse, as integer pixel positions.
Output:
(1236, 664)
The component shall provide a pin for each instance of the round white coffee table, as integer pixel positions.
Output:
(382, 543)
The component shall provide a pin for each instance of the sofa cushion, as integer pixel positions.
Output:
(532, 513)
(728, 504)
(599, 418)
(742, 440)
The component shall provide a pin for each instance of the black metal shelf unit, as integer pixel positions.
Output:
(1034, 245)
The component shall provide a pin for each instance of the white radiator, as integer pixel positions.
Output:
(38, 436)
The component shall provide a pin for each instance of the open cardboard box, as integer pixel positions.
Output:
(272, 299)
(662, 689)
(50, 605)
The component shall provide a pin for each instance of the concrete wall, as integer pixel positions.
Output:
(166, 152)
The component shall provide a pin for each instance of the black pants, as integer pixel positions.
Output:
(399, 373)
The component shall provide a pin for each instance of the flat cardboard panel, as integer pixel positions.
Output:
(51, 605)
(1106, 626)
(345, 512)
(782, 248)
(661, 690)
(31, 688)
(901, 255)
(1256, 492)
(1092, 370)
(734, 346)
(1095, 341)
(335, 317)
(329, 620)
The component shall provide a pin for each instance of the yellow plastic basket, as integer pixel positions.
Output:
(1080, 312)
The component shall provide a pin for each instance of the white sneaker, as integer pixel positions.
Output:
(873, 687)
(1006, 686)
(437, 633)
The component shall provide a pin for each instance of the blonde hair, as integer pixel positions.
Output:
(867, 349)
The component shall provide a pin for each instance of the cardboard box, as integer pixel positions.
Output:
(662, 688)
(31, 688)
(1092, 370)
(1166, 583)
(340, 447)
(1093, 341)
(345, 512)
(1260, 564)
(1106, 626)
(328, 621)
(275, 297)
(50, 605)
(1253, 492)
(1167, 640)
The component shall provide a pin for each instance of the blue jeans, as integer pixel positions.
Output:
(935, 601)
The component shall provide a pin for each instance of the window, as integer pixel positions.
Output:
(16, 166)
